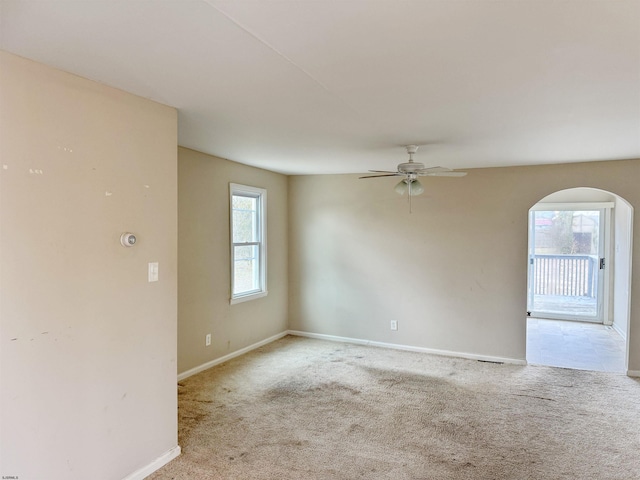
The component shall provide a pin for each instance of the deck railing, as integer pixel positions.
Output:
(568, 275)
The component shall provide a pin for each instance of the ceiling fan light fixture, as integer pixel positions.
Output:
(401, 188)
(413, 187)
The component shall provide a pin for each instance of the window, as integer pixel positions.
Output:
(248, 242)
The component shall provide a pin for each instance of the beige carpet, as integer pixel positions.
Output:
(309, 409)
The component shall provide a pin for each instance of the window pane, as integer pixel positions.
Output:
(245, 219)
(566, 232)
(248, 250)
(245, 269)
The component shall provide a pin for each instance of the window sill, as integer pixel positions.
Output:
(246, 298)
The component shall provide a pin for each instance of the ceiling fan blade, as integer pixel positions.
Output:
(434, 169)
(385, 175)
(382, 171)
(443, 174)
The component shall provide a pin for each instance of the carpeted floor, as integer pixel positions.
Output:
(308, 409)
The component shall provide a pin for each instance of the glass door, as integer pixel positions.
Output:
(567, 262)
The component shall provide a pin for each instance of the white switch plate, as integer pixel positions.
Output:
(207, 340)
(153, 271)
(394, 325)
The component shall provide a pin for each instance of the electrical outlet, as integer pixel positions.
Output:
(207, 340)
(394, 325)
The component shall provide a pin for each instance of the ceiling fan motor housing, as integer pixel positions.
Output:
(410, 167)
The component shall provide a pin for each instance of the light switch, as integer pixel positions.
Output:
(153, 272)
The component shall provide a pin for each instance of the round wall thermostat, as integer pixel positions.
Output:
(128, 239)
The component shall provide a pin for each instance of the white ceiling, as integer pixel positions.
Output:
(338, 86)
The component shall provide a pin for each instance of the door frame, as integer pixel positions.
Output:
(605, 278)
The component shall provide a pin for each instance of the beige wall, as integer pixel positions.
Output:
(204, 259)
(453, 273)
(87, 345)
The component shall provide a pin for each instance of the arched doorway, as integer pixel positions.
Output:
(579, 279)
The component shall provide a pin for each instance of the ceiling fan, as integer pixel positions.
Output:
(411, 171)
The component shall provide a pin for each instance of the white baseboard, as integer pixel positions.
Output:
(237, 353)
(633, 373)
(446, 353)
(158, 463)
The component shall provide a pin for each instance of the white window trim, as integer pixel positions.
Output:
(237, 189)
